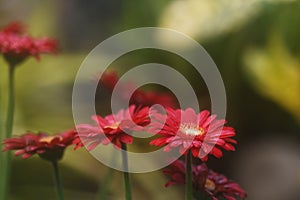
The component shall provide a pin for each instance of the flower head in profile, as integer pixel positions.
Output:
(113, 128)
(205, 181)
(16, 46)
(48, 147)
(201, 133)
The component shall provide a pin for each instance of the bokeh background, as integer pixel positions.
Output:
(254, 43)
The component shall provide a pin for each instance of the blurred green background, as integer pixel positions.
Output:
(254, 43)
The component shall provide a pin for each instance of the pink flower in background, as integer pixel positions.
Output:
(201, 133)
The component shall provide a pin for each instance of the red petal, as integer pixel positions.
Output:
(127, 139)
(217, 152)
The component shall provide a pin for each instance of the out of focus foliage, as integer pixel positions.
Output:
(275, 73)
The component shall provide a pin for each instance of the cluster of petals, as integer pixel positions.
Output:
(213, 184)
(114, 128)
(139, 97)
(185, 130)
(42, 144)
(15, 44)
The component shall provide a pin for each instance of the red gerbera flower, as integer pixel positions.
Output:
(49, 147)
(219, 186)
(201, 133)
(14, 28)
(149, 98)
(113, 128)
(205, 181)
(109, 80)
(176, 172)
(139, 97)
(16, 46)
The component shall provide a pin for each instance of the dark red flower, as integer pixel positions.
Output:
(219, 186)
(113, 128)
(149, 98)
(16, 46)
(14, 28)
(49, 147)
(139, 97)
(109, 80)
(205, 181)
(201, 133)
(176, 172)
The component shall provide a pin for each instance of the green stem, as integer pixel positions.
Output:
(128, 195)
(6, 157)
(11, 103)
(1, 121)
(2, 154)
(58, 184)
(188, 177)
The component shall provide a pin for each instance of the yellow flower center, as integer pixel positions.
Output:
(210, 185)
(48, 139)
(191, 129)
(113, 126)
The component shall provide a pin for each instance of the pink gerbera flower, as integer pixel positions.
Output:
(205, 181)
(113, 128)
(17, 46)
(49, 147)
(201, 133)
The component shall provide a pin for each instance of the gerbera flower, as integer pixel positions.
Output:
(16, 46)
(14, 28)
(176, 172)
(149, 98)
(201, 133)
(139, 97)
(109, 80)
(219, 186)
(48, 147)
(113, 128)
(205, 181)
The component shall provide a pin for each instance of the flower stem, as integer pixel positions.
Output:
(188, 176)
(6, 157)
(2, 157)
(10, 103)
(128, 195)
(59, 187)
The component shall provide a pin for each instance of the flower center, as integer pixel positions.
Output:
(191, 129)
(210, 185)
(48, 139)
(113, 126)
